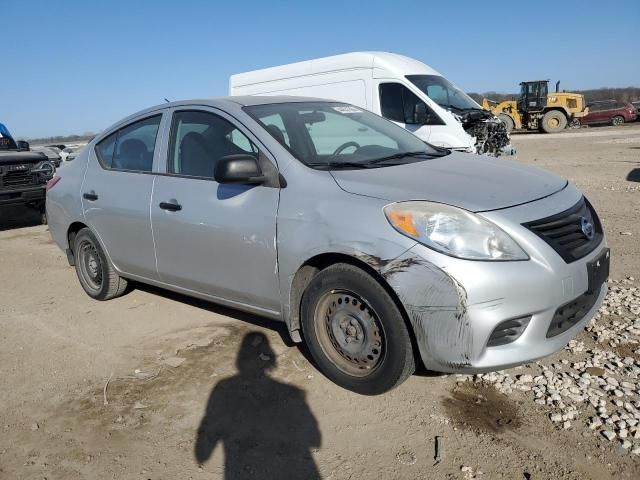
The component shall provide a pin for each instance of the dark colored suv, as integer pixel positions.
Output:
(23, 174)
(609, 111)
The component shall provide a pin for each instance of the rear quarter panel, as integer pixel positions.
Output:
(64, 205)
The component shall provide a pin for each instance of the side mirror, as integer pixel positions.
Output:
(22, 145)
(420, 114)
(242, 169)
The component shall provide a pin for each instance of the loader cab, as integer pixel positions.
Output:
(533, 96)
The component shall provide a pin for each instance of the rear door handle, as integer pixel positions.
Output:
(172, 206)
(91, 196)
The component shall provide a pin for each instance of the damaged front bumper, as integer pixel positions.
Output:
(457, 310)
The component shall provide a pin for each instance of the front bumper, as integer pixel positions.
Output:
(455, 305)
(24, 196)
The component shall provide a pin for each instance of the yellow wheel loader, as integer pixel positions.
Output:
(537, 109)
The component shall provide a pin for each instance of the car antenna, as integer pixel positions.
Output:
(167, 100)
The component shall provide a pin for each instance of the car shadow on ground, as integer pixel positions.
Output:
(18, 217)
(264, 426)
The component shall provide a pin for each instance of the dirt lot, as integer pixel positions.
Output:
(149, 385)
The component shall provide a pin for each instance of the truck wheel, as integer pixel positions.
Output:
(617, 121)
(554, 121)
(507, 120)
(96, 274)
(355, 331)
(43, 218)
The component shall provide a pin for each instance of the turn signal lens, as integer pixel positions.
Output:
(403, 221)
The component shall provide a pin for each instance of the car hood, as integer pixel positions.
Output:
(473, 182)
(12, 157)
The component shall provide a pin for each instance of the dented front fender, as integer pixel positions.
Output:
(436, 305)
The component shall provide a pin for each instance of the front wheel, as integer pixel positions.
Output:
(355, 331)
(96, 274)
(617, 121)
(554, 121)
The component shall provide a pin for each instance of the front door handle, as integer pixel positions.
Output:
(172, 206)
(91, 196)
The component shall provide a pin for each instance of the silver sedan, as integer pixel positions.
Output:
(375, 248)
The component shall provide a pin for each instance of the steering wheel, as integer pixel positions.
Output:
(344, 146)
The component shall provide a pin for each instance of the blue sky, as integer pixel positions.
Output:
(78, 66)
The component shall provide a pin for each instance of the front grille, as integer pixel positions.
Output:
(17, 178)
(568, 232)
(571, 313)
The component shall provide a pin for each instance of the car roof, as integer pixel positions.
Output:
(242, 100)
(224, 103)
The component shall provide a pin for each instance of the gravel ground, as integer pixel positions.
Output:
(158, 386)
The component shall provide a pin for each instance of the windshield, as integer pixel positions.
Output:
(337, 135)
(443, 92)
(6, 141)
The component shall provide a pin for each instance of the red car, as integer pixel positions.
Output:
(609, 111)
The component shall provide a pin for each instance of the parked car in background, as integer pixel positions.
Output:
(51, 153)
(73, 154)
(23, 174)
(59, 146)
(361, 237)
(69, 153)
(609, 111)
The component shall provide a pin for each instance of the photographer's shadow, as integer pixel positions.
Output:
(266, 427)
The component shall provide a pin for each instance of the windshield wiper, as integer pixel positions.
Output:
(398, 156)
(338, 165)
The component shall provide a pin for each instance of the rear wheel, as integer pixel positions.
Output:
(554, 121)
(507, 120)
(96, 274)
(355, 331)
(617, 120)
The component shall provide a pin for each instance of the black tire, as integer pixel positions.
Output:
(508, 121)
(617, 121)
(43, 218)
(381, 356)
(95, 272)
(554, 121)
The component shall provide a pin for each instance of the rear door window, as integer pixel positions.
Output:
(130, 148)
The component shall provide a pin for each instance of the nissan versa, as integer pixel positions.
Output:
(375, 248)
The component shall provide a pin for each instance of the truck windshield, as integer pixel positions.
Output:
(6, 141)
(336, 135)
(443, 92)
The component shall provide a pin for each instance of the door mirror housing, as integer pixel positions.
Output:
(22, 145)
(239, 169)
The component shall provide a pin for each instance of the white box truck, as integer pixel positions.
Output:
(399, 88)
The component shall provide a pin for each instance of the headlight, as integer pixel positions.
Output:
(45, 167)
(453, 231)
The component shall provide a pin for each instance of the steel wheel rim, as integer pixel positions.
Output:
(349, 332)
(553, 122)
(90, 265)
